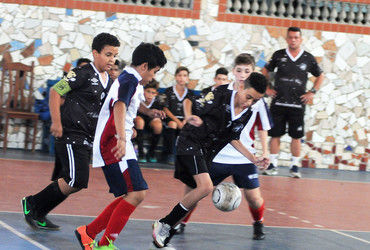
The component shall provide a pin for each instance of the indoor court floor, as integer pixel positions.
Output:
(326, 209)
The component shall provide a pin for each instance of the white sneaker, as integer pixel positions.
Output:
(153, 246)
(161, 231)
(271, 170)
(294, 172)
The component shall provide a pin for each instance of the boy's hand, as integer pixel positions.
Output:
(120, 149)
(262, 162)
(56, 129)
(194, 120)
(155, 113)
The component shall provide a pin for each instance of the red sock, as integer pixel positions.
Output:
(100, 223)
(187, 217)
(117, 221)
(257, 213)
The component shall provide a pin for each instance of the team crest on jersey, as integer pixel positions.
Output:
(238, 127)
(284, 59)
(94, 81)
(71, 76)
(303, 66)
(227, 108)
(208, 98)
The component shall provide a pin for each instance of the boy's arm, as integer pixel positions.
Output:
(56, 128)
(189, 117)
(263, 139)
(174, 118)
(258, 161)
(152, 113)
(119, 111)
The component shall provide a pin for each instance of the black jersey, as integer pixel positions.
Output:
(219, 127)
(155, 104)
(81, 108)
(291, 76)
(206, 90)
(174, 102)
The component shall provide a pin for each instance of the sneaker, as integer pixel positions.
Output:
(109, 247)
(27, 210)
(86, 242)
(294, 172)
(180, 228)
(258, 233)
(153, 246)
(170, 159)
(45, 224)
(161, 231)
(271, 170)
(142, 159)
(151, 158)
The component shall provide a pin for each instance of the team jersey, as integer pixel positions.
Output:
(154, 104)
(79, 113)
(174, 102)
(260, 118)
(207, 90)
(126, 88)
(291, 76)
(220, 125)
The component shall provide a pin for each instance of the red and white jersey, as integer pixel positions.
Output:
(260, 118)
(128, 90)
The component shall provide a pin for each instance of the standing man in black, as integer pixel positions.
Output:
(290, 96)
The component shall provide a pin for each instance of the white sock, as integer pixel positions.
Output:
(274, 159)
(295, 161)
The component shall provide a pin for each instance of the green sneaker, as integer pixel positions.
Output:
(109, 247)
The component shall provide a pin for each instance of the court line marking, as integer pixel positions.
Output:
(22, 236)
(350, 236)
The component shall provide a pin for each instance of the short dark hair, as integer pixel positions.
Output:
(120, 64)
(294, 29)
(148, 53)
(104, 39)
(154, 84)
(222, 71)
(256, 81)
(244, 58)
(182, 68)
(82, 60)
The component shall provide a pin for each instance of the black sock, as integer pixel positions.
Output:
(171, 134)
(177, 213)
(140, 141)
(153, 143)
(47, 199)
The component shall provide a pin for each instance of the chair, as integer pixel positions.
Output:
(16, 99)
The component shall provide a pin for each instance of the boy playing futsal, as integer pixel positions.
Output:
(113, 150)
(219, 118)
(73, 126)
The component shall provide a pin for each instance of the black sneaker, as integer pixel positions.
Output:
(258, 233)
(294, 172)
(46, 224)
(28, 212)
(180, 228)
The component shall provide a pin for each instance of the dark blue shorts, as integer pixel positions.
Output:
(122, 180)
(244, 175)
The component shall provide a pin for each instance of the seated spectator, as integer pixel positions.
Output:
(220, 79)
(116, 69)
(173, 107)
(154, 125)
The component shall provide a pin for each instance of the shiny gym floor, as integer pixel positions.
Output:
(326, 209)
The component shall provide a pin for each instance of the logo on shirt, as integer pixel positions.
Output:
(71, 76)
(238, 127)
(303, 66)
(102, 96)
(94, 81)
(206, 99)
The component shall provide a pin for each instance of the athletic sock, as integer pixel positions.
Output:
(101, 222)
(140, 141)
(117, 221)
(47, 199)
(171, 135)
(153, 143)
(177, 213)
(295, 161)
(274, 159)
(257, 213)
(187, 218)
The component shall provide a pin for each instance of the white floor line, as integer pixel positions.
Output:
(19, 234)
(350, 236)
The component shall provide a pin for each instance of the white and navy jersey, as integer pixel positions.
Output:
(126, 88)
(291, 76)
(174, 102)
(220, 125)
(79, 113)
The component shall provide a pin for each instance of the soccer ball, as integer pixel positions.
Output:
(226, 196)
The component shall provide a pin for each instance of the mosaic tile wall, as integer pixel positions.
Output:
(337, 122)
